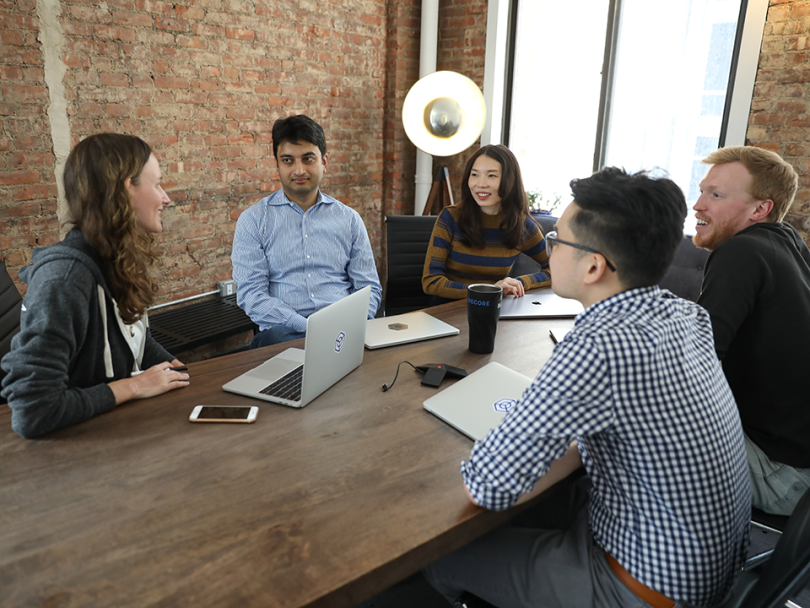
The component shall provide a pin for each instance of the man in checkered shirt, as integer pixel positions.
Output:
(636, 394)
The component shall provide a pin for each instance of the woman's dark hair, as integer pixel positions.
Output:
(635, 220)
(100, 206)
(514, 204)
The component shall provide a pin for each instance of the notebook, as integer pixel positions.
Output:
(334, 347)
(539, 303)
(477, 403)
(401, 329)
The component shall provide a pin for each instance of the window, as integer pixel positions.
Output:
(630, 83)
(555, 94)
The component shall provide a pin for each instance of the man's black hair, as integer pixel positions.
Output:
(295, 129)
(633, 219)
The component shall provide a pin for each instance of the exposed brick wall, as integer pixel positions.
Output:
(27, 184)
(202, 83)
(462, 48)
(402, 71)
(779, 119)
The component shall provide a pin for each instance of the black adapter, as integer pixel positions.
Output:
(435, 373)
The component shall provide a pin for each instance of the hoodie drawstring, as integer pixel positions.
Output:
(102, 302)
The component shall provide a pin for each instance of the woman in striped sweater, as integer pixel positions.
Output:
(478, 240)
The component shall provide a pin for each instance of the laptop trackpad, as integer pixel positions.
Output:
(281, 364)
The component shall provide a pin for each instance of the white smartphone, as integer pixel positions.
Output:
(224, 413)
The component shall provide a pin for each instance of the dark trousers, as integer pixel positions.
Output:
(275, 335)
(544, 558)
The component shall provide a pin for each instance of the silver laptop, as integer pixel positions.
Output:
(401, 329)
(539, 304)
(333, 348)
(477, 403)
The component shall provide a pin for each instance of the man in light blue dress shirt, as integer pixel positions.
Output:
(299, 250)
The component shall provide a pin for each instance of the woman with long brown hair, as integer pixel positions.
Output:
(84, 345)
(478, 240)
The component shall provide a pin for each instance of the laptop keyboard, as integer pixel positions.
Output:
(287, 387)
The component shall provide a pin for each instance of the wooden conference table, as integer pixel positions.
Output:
(321, 506)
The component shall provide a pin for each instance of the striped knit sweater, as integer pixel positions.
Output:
(450, 265)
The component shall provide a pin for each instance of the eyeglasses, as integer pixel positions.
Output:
(552, 239)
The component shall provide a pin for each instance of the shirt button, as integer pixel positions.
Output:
(306, 235)
(307, 257)
(312, 295)
(309, 275)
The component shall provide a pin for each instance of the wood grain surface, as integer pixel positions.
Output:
(321, 506)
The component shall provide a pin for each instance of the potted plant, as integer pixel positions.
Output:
(541, 206)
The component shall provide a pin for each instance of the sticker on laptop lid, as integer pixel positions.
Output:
(504, 405)
(339, 341)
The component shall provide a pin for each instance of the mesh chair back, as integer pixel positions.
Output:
(788, 569)
(10, 305)
(685, 275)
(408, 238)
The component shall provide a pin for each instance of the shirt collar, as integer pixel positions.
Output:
(280, 198)
(620, 303)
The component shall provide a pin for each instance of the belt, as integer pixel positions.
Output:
(651, 596)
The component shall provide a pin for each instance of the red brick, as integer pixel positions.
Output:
(239, 33)
(23, 92)
(11, 38)
(132, 19)
(800, 11)
(188, 12)
(89, 14)
(34, 193)
(778, 13)
(171, 82)
(114, 80)
(792, 107)
(172, 25)
(8, 178)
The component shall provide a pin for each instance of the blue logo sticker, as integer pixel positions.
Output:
(504, 405)
(339, 341)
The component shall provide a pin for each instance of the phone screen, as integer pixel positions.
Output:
(224, 413)
(238, 413)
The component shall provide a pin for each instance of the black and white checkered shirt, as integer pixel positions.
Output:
(638, 384)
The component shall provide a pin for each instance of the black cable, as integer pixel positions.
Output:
(385, 387)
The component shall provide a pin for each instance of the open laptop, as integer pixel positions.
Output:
(333, 348)
(539, 304)
(405, 328)
(477, 403)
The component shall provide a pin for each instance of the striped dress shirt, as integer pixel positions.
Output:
(637, 383)
(288, 264)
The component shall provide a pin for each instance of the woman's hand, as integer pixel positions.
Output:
(511, 286)
(156, 380)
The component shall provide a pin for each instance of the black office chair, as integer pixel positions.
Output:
(685, 275)
(408, 237)
(524, 264)
(786, 573)
(683, 278)
(10, 305)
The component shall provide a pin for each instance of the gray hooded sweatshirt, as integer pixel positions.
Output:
(70, 344)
